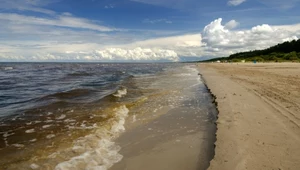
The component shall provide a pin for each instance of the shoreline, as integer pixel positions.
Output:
(258, 121)
(172, 137)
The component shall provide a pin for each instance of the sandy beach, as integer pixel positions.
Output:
(259, 115)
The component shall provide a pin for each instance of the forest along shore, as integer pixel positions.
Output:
(259, 115)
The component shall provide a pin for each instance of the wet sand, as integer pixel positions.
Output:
(176, 140)
(171, 132)
(259, 115)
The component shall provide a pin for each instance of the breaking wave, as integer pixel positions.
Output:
(97, 150)
(121, 92)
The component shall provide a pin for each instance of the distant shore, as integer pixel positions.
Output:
(259, 115)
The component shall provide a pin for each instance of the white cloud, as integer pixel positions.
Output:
(60, 20)
(235, 2)
(167, 49)
(231, 24)
(217, 36)
(291, 28)
(183, 45)
(109, 6)
(27, 5)
(189, 40)
(106, 55)
(157, 21)
(136, 54)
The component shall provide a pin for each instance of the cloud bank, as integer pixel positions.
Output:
(221, 38)
(106, 55)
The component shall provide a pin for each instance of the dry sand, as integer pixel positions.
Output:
(259, 115)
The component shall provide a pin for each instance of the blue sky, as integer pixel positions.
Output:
(117, 30)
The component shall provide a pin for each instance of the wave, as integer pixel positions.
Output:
(76, 74)
(69, 94)
(97, 150)
(7, 68)
(121, 92)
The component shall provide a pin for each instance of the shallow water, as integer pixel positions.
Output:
(174, 129)
(66, 116)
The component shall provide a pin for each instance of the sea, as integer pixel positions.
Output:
(68, 115)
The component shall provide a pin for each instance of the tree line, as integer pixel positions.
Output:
(287, 51)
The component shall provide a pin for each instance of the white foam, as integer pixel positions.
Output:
(30, 131)
(29, 123)
(53, 155)
(18, 145)
(8, 68)
(50, 136)
(133, 118)
(97, 151)
(33, 140)
(69, 120)
(46, 126)
(34, 166)
(6, 134)
(184, 74)
(61, 117)
(120, 93)
(84, 126)
(48, 121)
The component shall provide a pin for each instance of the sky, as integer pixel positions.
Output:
(142, 30)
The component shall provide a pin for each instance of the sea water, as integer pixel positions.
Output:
(67, 115)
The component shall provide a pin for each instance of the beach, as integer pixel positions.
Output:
(218, 116)
(258, 125)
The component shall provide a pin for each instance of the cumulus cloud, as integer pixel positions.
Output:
(189, 40)
(136, 54)
(231, 24)
(106, 55)
(183, 45)
(235, 2)
(217, 36)
(157, 49)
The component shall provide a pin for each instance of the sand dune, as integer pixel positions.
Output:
(259, 115)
